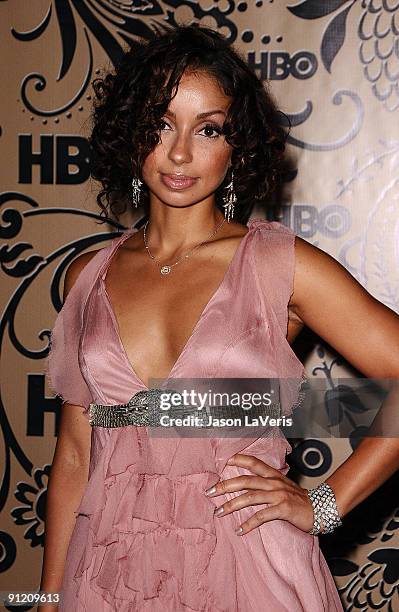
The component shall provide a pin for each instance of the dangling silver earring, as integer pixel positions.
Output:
(229, 200)
(136, 191)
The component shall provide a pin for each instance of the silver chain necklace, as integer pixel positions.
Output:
(166, 268)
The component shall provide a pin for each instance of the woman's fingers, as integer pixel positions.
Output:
(286, 500)
(253, 464)
(239, 483)
(292, 506)
(252, 498)
(260, 517)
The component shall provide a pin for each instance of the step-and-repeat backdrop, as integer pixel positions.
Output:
(333, 66)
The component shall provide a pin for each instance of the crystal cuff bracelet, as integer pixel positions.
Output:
(326, 515)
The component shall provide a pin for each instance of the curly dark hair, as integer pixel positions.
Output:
(130, 102)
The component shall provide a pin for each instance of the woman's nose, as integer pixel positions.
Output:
(180, 150)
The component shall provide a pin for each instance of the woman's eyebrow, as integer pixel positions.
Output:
(200, 115)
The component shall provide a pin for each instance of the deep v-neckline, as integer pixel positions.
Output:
(204, 311)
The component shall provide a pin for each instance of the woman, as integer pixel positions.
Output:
(190, 132)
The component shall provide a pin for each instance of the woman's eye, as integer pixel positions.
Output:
(163, 125)
(217, 131)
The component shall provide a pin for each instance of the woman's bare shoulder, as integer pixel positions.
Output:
(315, 268)
(331, 302)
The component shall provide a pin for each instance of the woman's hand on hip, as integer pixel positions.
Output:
(288, 501)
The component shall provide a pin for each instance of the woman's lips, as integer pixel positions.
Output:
(176, 181)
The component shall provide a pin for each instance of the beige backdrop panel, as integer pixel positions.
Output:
(333, 68)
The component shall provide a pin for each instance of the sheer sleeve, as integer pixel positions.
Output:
(276, 267)
(62, 369)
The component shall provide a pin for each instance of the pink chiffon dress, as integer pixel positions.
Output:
(145, 537)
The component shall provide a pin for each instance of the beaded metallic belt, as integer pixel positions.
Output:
(143, 409)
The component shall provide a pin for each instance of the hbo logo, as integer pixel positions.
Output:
(331, 221)
(278, 65)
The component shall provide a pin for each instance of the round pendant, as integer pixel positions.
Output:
(165, 269)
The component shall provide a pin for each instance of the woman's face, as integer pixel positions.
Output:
(192, 158)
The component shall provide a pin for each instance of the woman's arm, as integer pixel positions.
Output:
(68, 477)
(366, 333)
(329, 300)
